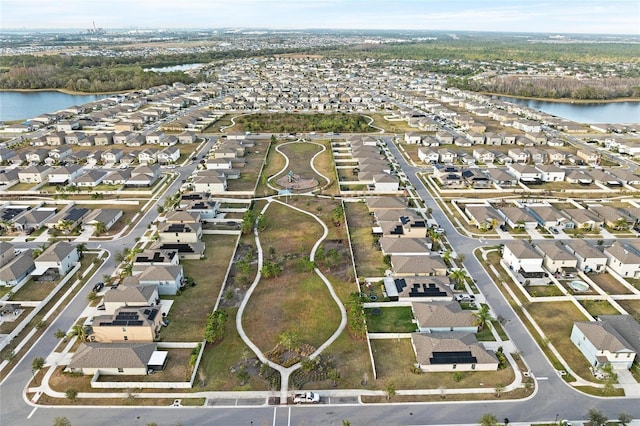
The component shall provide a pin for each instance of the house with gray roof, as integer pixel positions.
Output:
(624, 258)
(17, 269)
(612, 339)
(434, 288)
(59, 256)
(125, 358)
(453, 351)
(130, 295)
(168, 278)
(520, 256)
(418, 265)
(555, 257)
(590, 259)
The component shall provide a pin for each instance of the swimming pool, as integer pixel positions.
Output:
(579, 285)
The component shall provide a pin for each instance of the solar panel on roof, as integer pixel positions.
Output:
(454, 357)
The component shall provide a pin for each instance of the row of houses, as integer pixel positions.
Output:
(531, 216)
(75, 175)
(536, 260)
(16, 266)
(367, 162)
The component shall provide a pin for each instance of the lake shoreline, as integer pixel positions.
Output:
(65, 91)
(564, 100)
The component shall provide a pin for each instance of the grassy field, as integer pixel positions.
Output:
(391, 320)
(543, 290)
(300, 123)
(296, 301)
(214, 370)
(395, 358)
(609, 284)
(400, 126)
(632, 307)
(300, 155)
(369, 259)
(325, 165)
(599, 307)
(190, 309)
(556, 320)
(274, 162)
(249, 174)
(35, 290)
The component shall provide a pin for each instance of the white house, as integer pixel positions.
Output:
(521, 257)
(60, 256)
(612, 339)
(624, 258)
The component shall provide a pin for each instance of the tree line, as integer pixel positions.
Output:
(298, 123)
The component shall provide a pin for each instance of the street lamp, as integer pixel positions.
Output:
(556, 422)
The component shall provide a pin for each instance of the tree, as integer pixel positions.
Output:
(483, 317)
(101, 228)
(79, 331)
(160, 209)
(61, 421)
(82, 247)
(60, 334)
(214, 329)
(624, 419)
(248, 221)
(610, 378)
(488, 420)
(499, 389)
(37, 364)
(390, 389)
(621, 225)
(458, 276)
(289, 340)
(596, 417)
(72, 394)
(337, 215)
(92, 296)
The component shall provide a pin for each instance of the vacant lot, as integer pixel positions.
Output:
(190, 309)
(599, 307)
(556, 320)
(368, 258)
(35, 290)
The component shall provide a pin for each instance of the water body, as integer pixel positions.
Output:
(24, 105)
(183, 67)
(612, 112)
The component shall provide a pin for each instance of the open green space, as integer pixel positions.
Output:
(251, 171)
(301, 123)
(297, 301)
(188, 315)
(300, 155)
(368, 258)
(398, 319)
(599, 307)
(34, 290)
(543, 290)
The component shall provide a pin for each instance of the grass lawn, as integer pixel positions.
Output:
(632, 307)
(190, 309)
(543, 290)
(296, 301)
(352, 362)
(634, 282)
(250, 173)
(22, 187)
(325, 165)
(391, 320)
(368, 258)
(300, 155)
(323, 208)
(35, 290)
(395, 358)
(399, 126)
(274, 162)
(599, 307)
(556, 320)
(609, 284)
(214, 371)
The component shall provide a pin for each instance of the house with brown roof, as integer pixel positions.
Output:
(442, 317)
(418, 265)
(130, 295)
(127, 324)
(124, 358)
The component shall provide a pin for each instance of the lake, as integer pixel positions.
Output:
(24, 105)
(610, 112)
(183, 67)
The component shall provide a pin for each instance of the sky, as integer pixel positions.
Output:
(545, 16)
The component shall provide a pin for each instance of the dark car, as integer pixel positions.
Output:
(98, 287)
(503, 228)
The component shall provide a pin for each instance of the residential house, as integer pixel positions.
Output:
(550, 173)
(16, 269)
(556, 258)
(624, 258)
(611, 340)
(180, 232)
(583, 219)
(168, 278)
(413, 138)
(428, 155)
(547, 216)
(589, 157)
(117, 177)
(111, 156)
(209, 184)
(589, 258)
(483, 155)
(37, 156)
(130, 296)
(169, 155)
(483, 216)
(435, 288)
(521, 257)
(132, 324)
(65, 175)
(144, 176)
(34, 174)
(91, 179)
(525, 174)
(107, 217)
(418, 265)
(516, 217)
(59, 256)
(105, 139)
(442, 317)
(148, 156)
(453, 351)
(130, 359)
(9, 178)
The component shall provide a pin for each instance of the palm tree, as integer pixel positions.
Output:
(483, 317)
(488, 420)
(101, 228)
(458, 276)
(288, 339)
(79, 331)
(81, 248)
(621, 225)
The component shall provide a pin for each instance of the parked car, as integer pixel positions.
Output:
(98, 287)
(306, 398)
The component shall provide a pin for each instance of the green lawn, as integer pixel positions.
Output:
(190, 309)
(368, 258)
(599, 307)
(35, 290)
(391, 320)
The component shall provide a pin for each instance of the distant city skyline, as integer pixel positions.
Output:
(559, 16)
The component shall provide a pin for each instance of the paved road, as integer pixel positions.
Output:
(553, 396)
